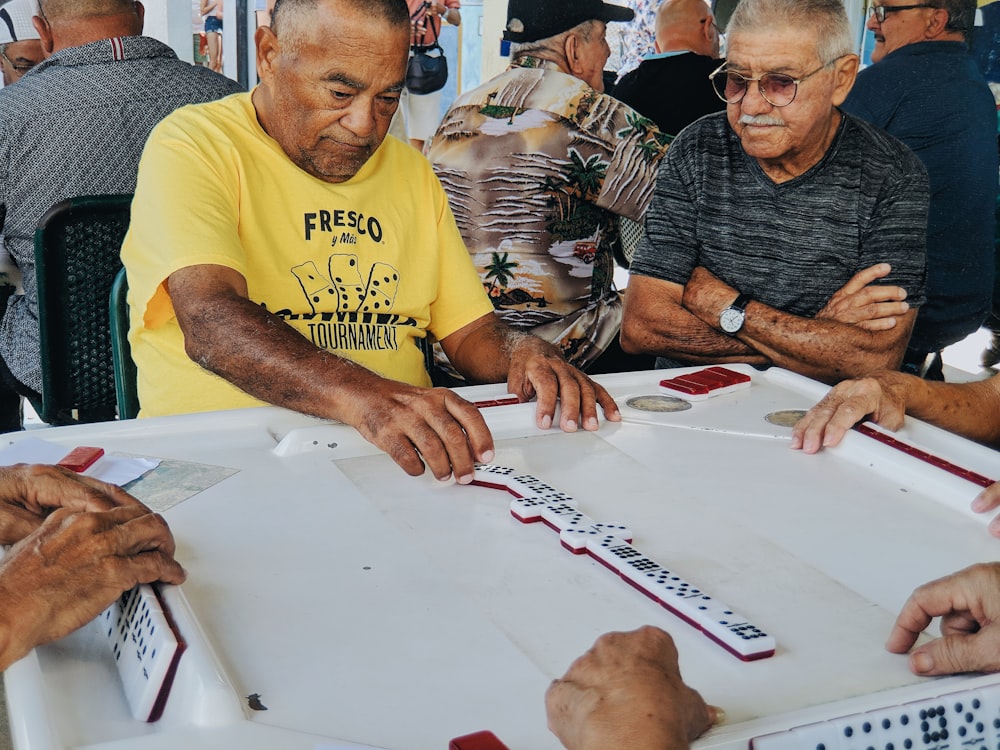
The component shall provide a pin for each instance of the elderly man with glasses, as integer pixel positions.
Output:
(783, 231)
(926, 89)
(20, 48)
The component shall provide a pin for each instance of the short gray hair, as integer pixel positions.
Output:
(826, 18)
(552, 43)
(961, 15)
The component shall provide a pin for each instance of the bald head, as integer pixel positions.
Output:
(686, 25)
(72, 23)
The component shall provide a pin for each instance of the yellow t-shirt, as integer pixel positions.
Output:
(361, 268)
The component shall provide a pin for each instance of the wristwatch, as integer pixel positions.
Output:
(732, 318)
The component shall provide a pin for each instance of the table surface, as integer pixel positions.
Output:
(366, 607)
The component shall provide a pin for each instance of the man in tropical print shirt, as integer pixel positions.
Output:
(539, 165)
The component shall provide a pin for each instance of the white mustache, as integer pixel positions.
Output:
(761, 120)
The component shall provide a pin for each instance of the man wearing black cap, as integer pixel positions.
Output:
(538, 165)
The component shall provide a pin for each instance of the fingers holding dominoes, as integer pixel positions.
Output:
(28, 493)
(627, 691)
(67, 572)
(417, 426)
(537, 370)
(968, 603)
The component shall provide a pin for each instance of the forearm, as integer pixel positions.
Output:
(968, 409)
(256, 351)
(655, 322)
(485, 353)
(823, 349)
(685, 337)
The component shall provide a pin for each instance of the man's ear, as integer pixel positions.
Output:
(571, 49)
(140, 11)
(937, 24)
(44, 34)
(268, 48)
(844, 72)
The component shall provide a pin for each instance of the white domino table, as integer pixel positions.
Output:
(363, 607)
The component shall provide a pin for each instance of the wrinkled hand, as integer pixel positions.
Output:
(863, 303)
(627, 692)
(421, 425)
(68, 571)
(880, 395)
(537, 370)
(706, 296)
(968, 603)
(28, 493)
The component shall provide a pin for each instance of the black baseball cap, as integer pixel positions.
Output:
(531, 20)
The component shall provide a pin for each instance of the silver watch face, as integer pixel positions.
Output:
(731, 320)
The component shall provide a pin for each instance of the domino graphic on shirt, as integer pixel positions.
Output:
(315, 286)
(347, 281)
(610, 545)
(146, 647)
(383, 283)
(703, 384)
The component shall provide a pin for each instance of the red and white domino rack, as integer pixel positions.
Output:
(334, 602)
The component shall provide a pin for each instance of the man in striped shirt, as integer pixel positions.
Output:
(782, 231)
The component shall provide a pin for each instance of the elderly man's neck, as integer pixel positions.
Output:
(74, 30)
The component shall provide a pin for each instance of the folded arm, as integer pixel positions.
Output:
(656, 322)
(825, 348)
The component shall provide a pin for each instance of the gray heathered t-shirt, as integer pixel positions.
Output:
(790, 246)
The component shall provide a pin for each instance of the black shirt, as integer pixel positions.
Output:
(672, 91)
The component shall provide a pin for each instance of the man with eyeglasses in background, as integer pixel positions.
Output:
(926, 89)
(20, 48)
(687, 50)
(782, 232)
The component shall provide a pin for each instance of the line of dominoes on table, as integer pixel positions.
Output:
(610, 544)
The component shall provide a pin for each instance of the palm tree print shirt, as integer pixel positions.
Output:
(538, 167)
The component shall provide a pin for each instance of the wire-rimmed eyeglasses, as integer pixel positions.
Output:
(777, 89)
(879, 11)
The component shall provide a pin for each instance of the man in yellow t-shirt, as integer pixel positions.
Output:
(283, 251)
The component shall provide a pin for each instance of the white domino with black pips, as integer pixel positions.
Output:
(964, 719)
(146, 649)
(610, 544)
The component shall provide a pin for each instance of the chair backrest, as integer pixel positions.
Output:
(77, 255)
(126, 392)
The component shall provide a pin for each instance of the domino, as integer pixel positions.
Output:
(575, 538)
(477, 741)
(529, 509)
(146, 649)
(525, 485)
(81, 458)
(491, 475)
(968, 718)
(509, 401)
(559, 516)
(703, 384)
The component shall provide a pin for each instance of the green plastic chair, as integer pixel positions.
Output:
(126, 392)
(77, 255)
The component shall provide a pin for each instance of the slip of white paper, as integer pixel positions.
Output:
(118, 470)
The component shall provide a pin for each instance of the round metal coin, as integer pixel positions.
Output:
(786, 417)
(658, 403)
